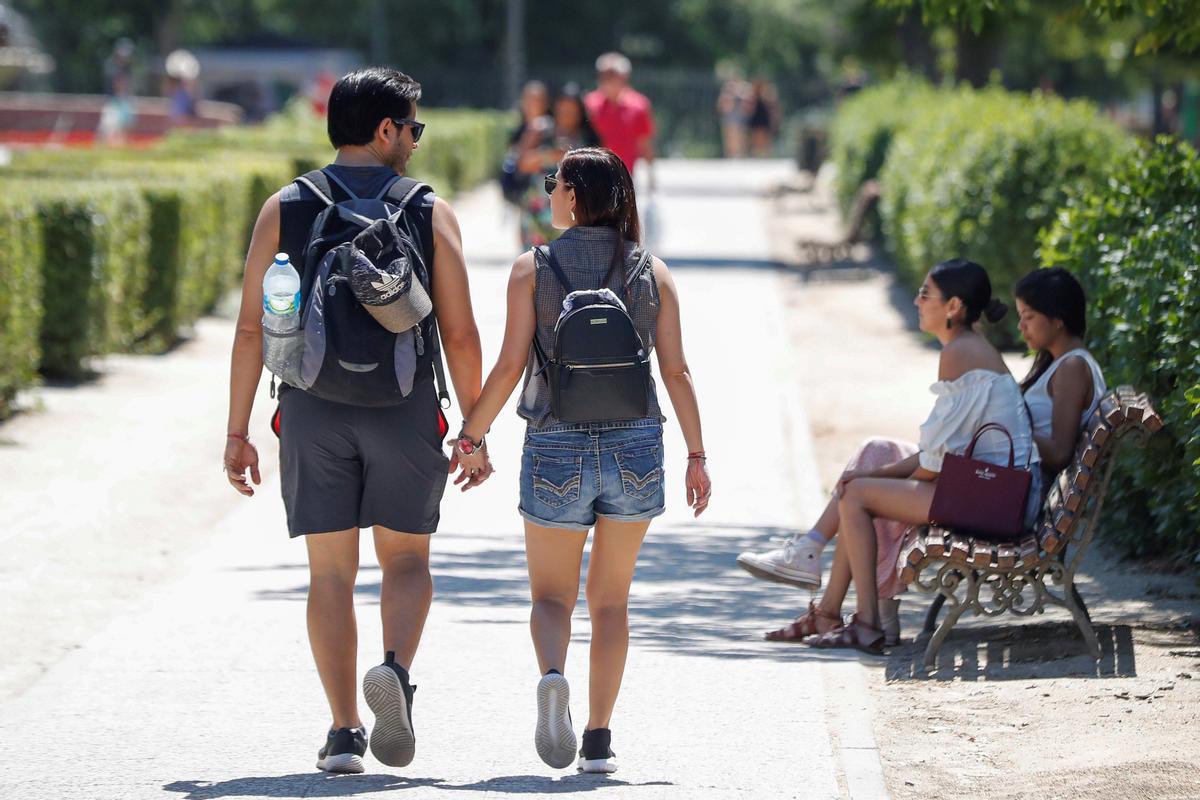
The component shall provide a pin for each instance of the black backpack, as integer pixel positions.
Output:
(598, 369)
(341, 353)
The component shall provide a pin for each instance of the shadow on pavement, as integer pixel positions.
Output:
(689, 596)
(1018, 652)
(309, 784)
(540, 784)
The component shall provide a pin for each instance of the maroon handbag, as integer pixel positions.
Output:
(979, 498)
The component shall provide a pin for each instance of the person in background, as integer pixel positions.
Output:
(731, 108)
(118, 114)
(569, 129)
(183, 69)
(763, 118)
(622, 117)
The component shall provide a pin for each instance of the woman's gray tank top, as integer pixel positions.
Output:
(585, 254)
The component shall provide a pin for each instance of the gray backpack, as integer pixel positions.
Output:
(366, 327)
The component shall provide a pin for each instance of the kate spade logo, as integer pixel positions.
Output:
(984, 474)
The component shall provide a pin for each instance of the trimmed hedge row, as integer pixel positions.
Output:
(20, 302)
(978, 174)
(119, 250)
(1136, 246)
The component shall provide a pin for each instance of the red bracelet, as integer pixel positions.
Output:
(241, 436)
(697, 454)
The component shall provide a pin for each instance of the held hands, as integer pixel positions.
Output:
(474, 467)
(241, 455)
(699, 485)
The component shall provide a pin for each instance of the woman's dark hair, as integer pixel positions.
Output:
(1057, 294)
(572, 93)
(603, 190)
(969, 282)
(360, 100)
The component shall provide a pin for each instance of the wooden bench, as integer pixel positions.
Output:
(818, 252)
(1017, 577)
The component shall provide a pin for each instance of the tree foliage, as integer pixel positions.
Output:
(1162, 22)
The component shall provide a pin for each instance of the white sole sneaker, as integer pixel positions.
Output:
(346, 763)
(777, 573)
(601, 765)
(392, 740)
(554, 738)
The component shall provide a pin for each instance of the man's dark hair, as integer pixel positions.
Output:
(360, 100)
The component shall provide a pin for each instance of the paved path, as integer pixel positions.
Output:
(156, 620)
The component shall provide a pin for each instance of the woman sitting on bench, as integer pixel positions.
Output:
(1065, 384)
(876, 503)
(1062, 390)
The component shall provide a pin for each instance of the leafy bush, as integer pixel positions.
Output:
(21, 300)
(864, 127)
(979, 173)
(94, 269)
(1135, 245)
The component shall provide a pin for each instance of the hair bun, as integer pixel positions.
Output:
(995, 310)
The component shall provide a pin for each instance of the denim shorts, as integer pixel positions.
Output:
(573, 473)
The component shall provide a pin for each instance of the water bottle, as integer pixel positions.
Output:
(281, 296)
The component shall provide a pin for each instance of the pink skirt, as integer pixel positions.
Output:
(890, 536)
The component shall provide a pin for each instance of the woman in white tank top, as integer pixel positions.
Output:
(1065, 384)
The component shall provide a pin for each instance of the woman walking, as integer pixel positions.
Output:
(605, 474)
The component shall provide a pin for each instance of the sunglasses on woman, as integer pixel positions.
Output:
(551, 183)
(417, 127)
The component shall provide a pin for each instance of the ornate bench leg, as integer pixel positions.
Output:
(1079, 611)
(943, 630)
(931, 616)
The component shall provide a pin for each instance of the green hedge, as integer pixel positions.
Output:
(21, 300)
(94, 268)
(863, 129)
(978, 174)
(1135, 244)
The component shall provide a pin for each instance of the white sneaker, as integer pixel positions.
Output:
(797, 563)
(554, 737)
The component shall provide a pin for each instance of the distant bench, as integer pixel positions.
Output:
(1016, 576)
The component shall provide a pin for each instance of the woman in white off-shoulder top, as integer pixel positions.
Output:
(974, 388)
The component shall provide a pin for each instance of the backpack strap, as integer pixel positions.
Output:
(548, 254)
(318, 184)
(402, 190)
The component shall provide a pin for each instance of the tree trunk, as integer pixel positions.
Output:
(978, 54)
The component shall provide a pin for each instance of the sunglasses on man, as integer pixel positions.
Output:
(417, 127)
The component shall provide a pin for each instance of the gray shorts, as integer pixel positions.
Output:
(348, 466)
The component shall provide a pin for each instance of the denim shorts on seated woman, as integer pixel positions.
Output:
(573, 473)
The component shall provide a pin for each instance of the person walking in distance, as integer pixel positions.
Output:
(364, 424)
(584, 314)
(622, 117)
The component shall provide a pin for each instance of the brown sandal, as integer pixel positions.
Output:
(848, 635)
(805, 625)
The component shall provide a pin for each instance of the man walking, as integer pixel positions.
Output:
(345, 467)
(621, 116)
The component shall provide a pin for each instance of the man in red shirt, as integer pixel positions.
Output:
(621, 116)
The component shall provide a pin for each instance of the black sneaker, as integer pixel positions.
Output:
(554, 737)
(390, 696)
(595, 755)
(343, 750)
